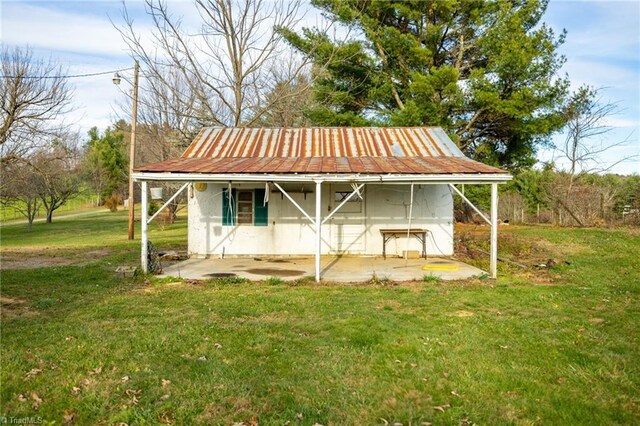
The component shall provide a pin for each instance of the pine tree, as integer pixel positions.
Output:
(485, 71)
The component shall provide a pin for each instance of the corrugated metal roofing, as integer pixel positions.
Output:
(217, 142)
(399, 150)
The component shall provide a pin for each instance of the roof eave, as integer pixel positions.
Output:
(325, 177)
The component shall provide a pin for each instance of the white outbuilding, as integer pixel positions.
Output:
(322, 191)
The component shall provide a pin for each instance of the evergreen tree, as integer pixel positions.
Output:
(106, 162)
(486, 71)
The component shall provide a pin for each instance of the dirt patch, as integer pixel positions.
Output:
(11, 307)
(274, 272)
(11, 301)
(10, 262)
(30, 258)
(461, 314)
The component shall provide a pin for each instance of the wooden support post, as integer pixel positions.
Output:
(132, 147)
(494, 231)
(318, 227)
(144, 255)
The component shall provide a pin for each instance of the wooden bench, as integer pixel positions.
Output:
(420, 234)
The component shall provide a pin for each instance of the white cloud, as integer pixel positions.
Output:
(621, 123)
(53, 29)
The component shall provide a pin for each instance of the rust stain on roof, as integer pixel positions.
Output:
(408, 150)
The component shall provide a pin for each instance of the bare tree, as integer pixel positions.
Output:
(59, 173)
(219, 74)
(288, 99)
(587, 128)
(20, 190)
(34, 97)
(586, 141)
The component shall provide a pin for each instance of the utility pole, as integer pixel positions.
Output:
(132, 147)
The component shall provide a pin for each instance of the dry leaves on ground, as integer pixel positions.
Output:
(36, 400)
(442, 407)
(33, 372)
(68, 417)
(95, 371)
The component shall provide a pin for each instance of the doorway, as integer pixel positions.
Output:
(348, 223)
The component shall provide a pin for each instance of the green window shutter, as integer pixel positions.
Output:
(260, 209)
(228, 214)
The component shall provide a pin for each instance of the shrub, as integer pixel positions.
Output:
(230, 280)
(274, 281)
(428, 278)
(152, 207)
(376, 280)
(113, 202)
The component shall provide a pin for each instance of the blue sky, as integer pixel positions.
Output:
(602, 50)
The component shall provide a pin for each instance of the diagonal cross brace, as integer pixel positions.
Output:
(294, 203)
(470, 203)
(356, 190)
(167, 203)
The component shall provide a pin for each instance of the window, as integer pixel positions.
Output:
(244, 207)
(354, 205)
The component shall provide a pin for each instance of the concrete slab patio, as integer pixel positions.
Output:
(334, 268)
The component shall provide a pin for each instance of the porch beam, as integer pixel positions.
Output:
(402, 179)
(318, 223)
(494, 231)
(470, 203)
(168, 202)
(345, 201)
(294, 202)
(143, 225)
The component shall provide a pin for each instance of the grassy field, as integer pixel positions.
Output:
(555, 345)
(80, 203)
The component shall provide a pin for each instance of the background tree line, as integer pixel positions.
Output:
(488, 72)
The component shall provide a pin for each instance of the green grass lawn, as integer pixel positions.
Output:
(557, 346)
(81, 203)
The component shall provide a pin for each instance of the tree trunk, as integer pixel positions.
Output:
(49, 216)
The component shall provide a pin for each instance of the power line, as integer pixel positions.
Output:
(70, 75)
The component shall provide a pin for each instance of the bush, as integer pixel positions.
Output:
(428, 278)
(113, 202)
(152, 207)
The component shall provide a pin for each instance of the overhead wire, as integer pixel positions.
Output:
(68, 75)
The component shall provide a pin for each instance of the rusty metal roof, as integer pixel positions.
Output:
(336, 150)
(216, 142)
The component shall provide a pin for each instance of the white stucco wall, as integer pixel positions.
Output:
(290, 233)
